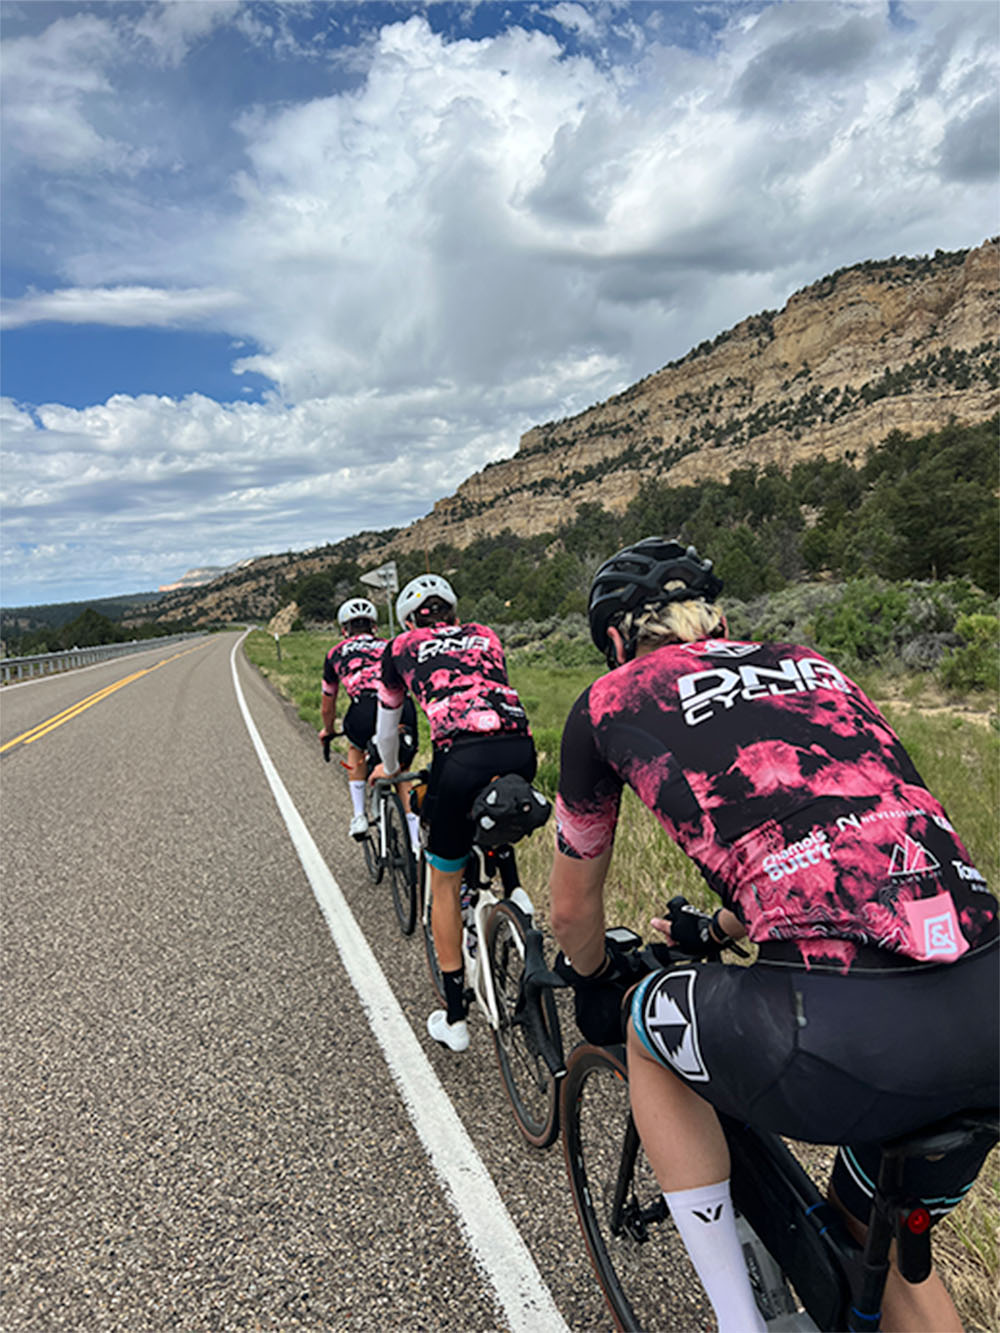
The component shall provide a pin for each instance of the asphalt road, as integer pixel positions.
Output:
(201, 1128)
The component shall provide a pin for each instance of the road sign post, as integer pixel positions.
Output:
(386, 578)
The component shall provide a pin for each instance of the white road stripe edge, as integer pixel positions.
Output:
(495, 1243)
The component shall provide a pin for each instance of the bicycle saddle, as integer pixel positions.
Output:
(954, 1131)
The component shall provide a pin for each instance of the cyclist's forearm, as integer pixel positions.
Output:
(328, 712)
(577, 892)
(730, 923)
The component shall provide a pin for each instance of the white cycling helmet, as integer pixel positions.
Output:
(357, 608)
(420, 590)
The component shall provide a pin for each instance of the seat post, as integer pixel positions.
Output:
(867, 1313)
(508, 868)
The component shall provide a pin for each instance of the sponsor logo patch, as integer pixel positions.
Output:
(910, 857)
(704, 693)
(933, 926)
(720, 648)
(672, 1024)
(451, 644)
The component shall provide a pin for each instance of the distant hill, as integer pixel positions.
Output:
(197, 578)
(21, 619)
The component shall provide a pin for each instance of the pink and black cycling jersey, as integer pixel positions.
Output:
(789, 790)
(458, 676)
(356, 664)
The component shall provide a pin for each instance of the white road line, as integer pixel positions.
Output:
(495, 1242)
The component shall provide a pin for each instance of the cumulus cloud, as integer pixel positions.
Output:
(447, 239)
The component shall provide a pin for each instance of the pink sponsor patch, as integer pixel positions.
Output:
(933, 929)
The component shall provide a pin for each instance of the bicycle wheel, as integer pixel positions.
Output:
(530, 1086)
(402, 864)
(370, 847)
(426, 899)
(640, 1261)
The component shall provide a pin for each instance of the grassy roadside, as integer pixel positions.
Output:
(958, 757)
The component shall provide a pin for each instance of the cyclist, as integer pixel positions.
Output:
(355, 663)
(877, 936)
(478, 729)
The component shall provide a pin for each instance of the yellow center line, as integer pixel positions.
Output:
(43, 728)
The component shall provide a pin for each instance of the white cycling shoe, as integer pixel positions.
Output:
(359, 826)
(453, 1035)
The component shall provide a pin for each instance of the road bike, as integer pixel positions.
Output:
(386, 843)
(806, 1270)
(498, 918)
(388, 848)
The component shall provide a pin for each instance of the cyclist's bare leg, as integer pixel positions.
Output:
(357, 773)
(679, 1130)
(923, 1307)
(687, 1150)
(356, 764)
(446, 917)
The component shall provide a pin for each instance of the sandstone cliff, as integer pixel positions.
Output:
(903, 344)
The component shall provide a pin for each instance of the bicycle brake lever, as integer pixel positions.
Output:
(537, 974)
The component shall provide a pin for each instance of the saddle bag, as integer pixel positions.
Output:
(507, 809)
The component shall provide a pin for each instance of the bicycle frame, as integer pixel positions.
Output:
(478, 977)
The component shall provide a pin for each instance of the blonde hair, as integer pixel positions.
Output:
(676, 621)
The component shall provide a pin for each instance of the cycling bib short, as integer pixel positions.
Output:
(359, 725)
(458, 774)
(830, 1058)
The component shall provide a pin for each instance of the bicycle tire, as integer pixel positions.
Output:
(402, 864)
(640, 1262)
(532, 1089)
(426, 899)
(370, 847)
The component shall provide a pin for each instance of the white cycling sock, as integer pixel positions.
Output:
(357, 787)
(413, 824)
(707, 1225)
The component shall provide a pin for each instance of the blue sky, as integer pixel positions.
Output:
(277, 273)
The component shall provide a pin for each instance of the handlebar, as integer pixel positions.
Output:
(326, 744)
(418, 775)
(538, 977)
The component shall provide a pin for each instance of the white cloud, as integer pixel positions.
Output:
(124, 307)
(54, 87)
(467, 237)
(173, 26)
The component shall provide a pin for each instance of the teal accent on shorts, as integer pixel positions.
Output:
(942, 1203)
(638, 996)
(442, 862)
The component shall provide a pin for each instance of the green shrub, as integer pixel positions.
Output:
(865, 624)
(976, 664)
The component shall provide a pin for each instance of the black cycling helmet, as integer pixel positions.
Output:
(635, 578)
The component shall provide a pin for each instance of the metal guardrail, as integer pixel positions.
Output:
(47, 664)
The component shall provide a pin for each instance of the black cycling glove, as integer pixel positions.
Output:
(598, 997)
(691, 930)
